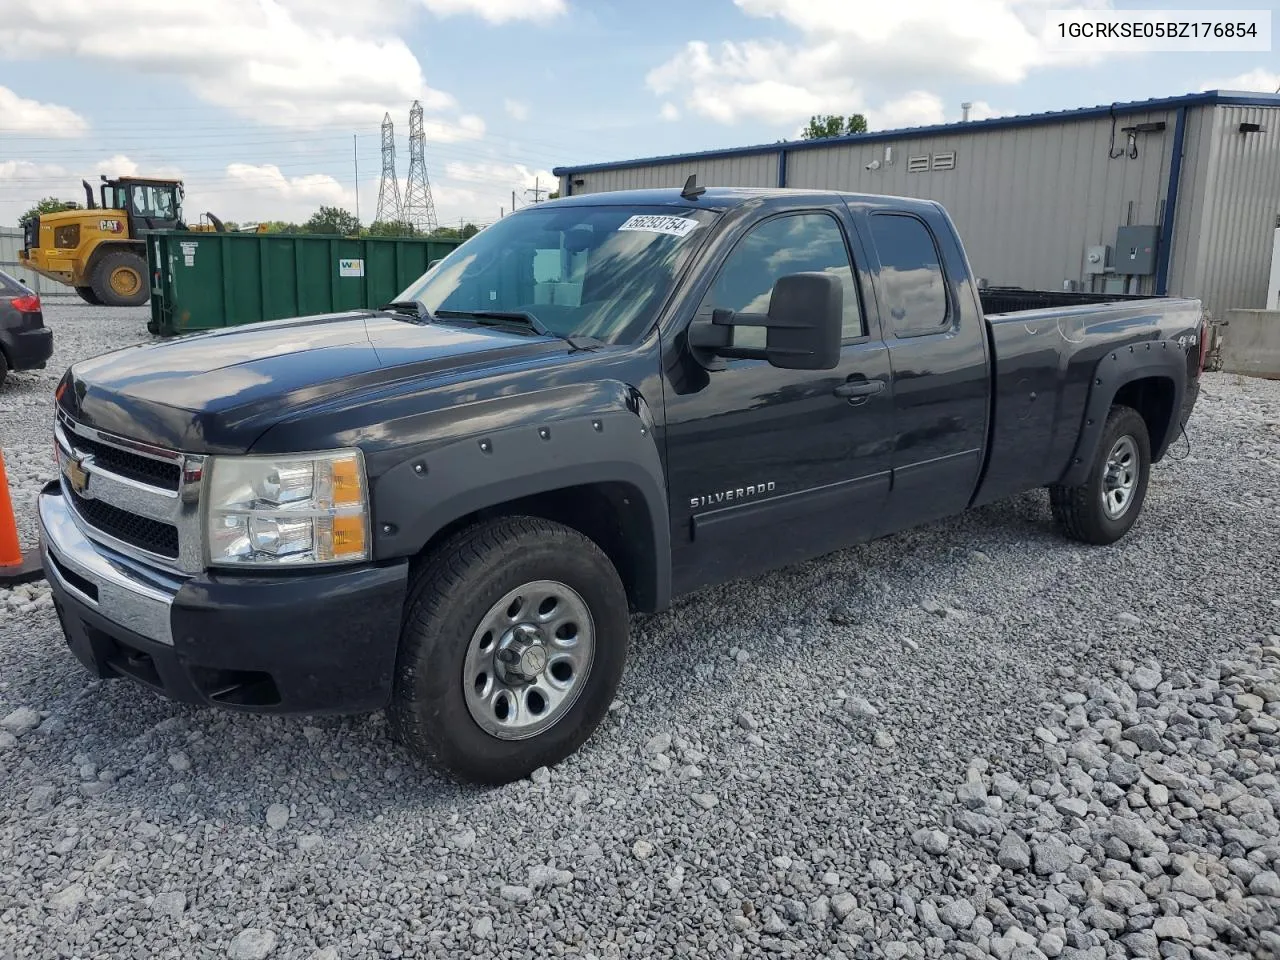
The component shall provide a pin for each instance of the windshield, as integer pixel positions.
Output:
(581, 271)
(147, 200)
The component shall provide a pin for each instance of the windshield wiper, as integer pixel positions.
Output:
(415, 308)
(527, 319)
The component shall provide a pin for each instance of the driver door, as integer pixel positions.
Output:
(768, 466)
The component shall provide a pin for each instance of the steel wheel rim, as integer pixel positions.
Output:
(1120, 477)
(125, 281)
(528, 660)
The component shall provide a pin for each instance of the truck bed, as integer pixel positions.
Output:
(1043, 363)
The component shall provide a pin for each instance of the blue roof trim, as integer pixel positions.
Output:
(1208, 98)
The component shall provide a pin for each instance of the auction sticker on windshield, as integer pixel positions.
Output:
(656, 223)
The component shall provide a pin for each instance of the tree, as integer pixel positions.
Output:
(553, 195)
(333, 220)
(282, 226)
(47, 205)
(834, 125)
(392, 228)
(453, 233)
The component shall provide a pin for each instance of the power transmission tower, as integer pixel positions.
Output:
(419, 208)
(389, 190)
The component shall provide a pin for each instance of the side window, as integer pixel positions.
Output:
(911, 283)
(797, 243)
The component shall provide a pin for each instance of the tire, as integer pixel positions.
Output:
(88, 296)
(114, 265)
(446, 706)
(4, 368)
(1120, 470)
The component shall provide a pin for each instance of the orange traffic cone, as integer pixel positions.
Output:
(14, 569)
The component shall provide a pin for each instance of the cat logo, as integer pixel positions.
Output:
(110, 226)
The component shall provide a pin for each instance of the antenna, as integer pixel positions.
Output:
(691, 189)
(389, 189)
(419, 209)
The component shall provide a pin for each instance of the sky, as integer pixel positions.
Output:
(268, 109)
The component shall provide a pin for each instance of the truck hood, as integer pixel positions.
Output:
(217, 392)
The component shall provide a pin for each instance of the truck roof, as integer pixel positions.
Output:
(726, 198)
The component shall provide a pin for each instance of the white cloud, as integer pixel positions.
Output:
(981, 110)
(669, 111)
(1260, 80)
(466, 127)
(516, 110)
(120, 165)
(20, 115)
(845, 57)
(499, 11)
(285, 63)
(917, 109)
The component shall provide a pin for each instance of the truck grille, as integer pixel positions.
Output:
(141, 532)
(140, 499)
(132, 465)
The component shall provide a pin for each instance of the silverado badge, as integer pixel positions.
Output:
(78, 476)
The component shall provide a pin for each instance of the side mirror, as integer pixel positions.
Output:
(803, 327)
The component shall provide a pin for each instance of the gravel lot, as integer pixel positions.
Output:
(971, 740)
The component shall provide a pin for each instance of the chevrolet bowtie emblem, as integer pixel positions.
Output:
(78, 476)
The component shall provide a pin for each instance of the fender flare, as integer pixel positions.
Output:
(1118, 367)
(422, 494)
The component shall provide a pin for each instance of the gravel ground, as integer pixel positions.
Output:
(971, 740)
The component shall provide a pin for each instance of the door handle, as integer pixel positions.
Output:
(859, 388)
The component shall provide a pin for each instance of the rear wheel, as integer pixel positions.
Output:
(88, 296)
(120, 279)
(4, 368)
(514, 640)
(1103, 508)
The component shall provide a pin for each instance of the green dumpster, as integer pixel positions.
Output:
(203, 281)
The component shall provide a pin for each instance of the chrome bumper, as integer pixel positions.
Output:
(118, 588)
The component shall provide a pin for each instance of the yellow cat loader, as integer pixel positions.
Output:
(99, 250)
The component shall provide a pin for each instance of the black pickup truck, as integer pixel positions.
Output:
(447, 507)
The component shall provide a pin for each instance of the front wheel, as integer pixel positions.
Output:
(1103, 508)
(88, 296)
(120, 279)
(514, 639)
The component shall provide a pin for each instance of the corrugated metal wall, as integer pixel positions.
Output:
(1240, 205)
(10, 244)
(1026, 200)
(748, 171)
(1186, 265)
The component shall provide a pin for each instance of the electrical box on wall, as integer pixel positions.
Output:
(1097, 259)
(1136, 249)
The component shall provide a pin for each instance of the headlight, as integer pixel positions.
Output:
(308, 509)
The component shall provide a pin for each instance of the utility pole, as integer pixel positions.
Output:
(536, 190)
(355, 162)
(419, 207)
(389, 206)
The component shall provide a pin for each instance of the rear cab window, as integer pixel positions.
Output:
(911, 284)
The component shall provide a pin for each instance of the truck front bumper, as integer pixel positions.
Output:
(319, 642)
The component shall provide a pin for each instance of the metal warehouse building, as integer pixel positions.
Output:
(1177, 196)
